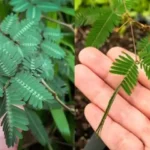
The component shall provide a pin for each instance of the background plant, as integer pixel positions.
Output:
(36, 69)
(115, 15)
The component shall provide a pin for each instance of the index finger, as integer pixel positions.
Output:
(3, 145)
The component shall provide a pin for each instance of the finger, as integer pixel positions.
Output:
(3, 145)
(100, 64)
(122, 112)
(125, 140)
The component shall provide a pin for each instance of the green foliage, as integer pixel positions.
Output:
(102, 27)
(103, 22)
(126, 66)
(144, 53)
(63, 127)
(29, 53)
(82, 19)
(37, 128)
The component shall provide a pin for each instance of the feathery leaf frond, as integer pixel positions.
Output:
(52, 49)
(82, 19)
(102, 28)
(145, 62)
(26, 85)
(14, 119)
(126, 66)
(144, 44)
(8, 22)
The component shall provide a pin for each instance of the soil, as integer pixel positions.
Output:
(84, 131)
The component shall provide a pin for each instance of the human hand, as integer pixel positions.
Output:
(128, 126)
(3, 145)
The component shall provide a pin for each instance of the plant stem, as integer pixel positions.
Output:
(123, 25)
(125, 6)
(72, 110)
(107, 109)
(133, 38)
(59, 22)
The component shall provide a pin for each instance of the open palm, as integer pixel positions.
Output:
(128, 126)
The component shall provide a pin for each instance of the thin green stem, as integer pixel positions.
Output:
(98, 130)
(59, 22)
(72, 110)
(133, 38)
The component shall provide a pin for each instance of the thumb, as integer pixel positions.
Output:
(3, 145)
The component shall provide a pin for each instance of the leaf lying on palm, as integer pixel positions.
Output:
(127, 67)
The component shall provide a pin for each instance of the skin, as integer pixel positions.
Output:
(128, 126)
(2, 142)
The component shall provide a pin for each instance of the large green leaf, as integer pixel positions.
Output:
(62, 123)
(37, 128)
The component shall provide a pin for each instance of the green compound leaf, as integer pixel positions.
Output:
(53, 34)
(15, 118)
(33, 13)
(8, 22)
(21, 6)
(144, 44)
(82, 19)
(52, 49)
(9, 58)
(26, 85)
(145, 62)
(37, 128)
(126, 66)
(25, 27)
(102, 28)
(48, 7)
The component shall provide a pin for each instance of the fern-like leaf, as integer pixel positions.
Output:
(21, 6)
(53, 34)
(8, 23)
(126, 66)
(33, 13)
(15, 118)
(48, 7)
(30, 43)
(144, 44)
(26, 85)
(37, 128)
(33, 64)
(25, 27)
(102, 28)
(120, 6)
(9, 55)
(52, 49)
(82, 19)
(145, 62)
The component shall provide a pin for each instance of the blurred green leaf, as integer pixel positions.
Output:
(68, 11)
(37, 127)
(77, 4)
(62, 123)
